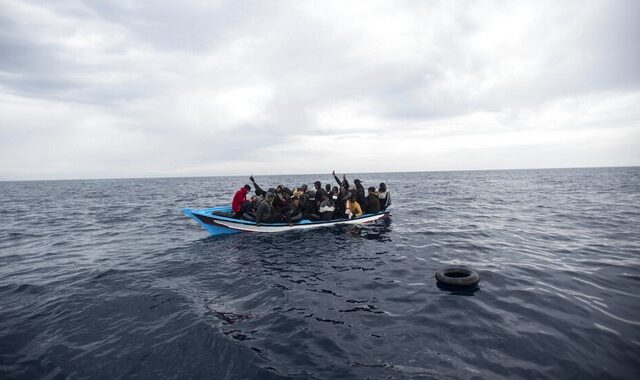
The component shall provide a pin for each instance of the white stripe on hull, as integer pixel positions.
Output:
(271, 228)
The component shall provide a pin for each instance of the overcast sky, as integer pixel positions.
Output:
(104, 89)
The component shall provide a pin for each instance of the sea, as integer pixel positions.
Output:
(108, 279)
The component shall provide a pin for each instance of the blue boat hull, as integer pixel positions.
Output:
(217, 224)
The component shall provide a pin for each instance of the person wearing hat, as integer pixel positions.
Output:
(373, 205)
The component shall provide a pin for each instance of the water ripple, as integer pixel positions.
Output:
(106, 279)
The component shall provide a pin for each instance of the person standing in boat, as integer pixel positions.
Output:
(384, 196)
(373, 204)
(240, 198)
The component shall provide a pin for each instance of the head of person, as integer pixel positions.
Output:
(372, 190)
(247, 188)
(357, 181)
(295, 201)
(303, 188)
(269, 197)
(327, 187)
(383, 187)
(279, 189)
(317, 185)
(335, 190)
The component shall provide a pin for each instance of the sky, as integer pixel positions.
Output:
(118, 89)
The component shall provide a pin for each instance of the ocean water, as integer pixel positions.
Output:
(107, 279)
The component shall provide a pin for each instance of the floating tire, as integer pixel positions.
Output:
(457, 276)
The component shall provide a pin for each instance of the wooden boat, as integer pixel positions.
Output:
(220, 221)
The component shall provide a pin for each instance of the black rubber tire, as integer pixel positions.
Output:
(457, 276)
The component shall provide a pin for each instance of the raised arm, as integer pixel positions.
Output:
(345, 183)
(259, 191)
(336, 177)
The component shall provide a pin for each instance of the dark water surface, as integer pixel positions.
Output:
(107, 279)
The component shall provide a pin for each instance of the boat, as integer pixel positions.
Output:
(220, 221)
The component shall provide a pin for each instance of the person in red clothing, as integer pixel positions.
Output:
(240, 198)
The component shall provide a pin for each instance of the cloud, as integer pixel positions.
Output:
(122, 88)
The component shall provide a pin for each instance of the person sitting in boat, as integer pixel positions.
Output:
(353, 207)
(239, 198)
(266, 213)
(327, 208)
(299, 191)
(340, 203)
(384, 196)
(373, 204)
(320, 192)
(344, 183)
(360, 194)
(293, 212)
(310, 206)
(248, 208)
(279, 202)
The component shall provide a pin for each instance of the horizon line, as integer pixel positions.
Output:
(309, 174)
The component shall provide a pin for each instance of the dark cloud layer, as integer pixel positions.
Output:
(210, 87)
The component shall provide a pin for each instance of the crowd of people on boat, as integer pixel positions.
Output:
(284, 205)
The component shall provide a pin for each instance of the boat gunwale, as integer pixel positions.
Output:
(208, 212)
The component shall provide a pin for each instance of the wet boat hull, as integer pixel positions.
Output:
(222, 225)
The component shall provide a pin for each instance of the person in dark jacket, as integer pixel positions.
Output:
(293, 211)
(310, 206)
(373, 205)
(339, 203)
(320, 192)
(265, 212)
(360, 196)
(384, 196)
(239, 198)
(248, 208)
(327, 208)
